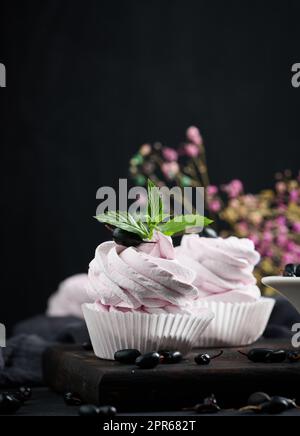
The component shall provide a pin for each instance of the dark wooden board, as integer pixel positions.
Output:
(232, 378)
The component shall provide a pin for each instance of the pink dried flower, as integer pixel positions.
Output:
(280, 187)
(193, 135)
(243, 228)
(215, 206)
(170, 154)
(254, 238)
(281, 221)
(234, 188)
(145, 149)
(294, 195)
(282, 241)
(267, 237)
(212, 190)
(191, 150)
(288, 258)
(296, 227)
(170, 170)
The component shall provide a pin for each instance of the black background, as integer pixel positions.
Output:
(89, 81)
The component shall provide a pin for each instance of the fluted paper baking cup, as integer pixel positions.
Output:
(113, 331)
(235, 324)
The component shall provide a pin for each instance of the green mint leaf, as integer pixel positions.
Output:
(124, 221)
(155, 204)
(181, 223)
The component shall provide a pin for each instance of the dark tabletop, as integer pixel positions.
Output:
(47, 403)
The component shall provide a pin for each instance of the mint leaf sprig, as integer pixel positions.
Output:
(155, 219)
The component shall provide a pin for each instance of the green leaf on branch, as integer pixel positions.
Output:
(124, 221)
(182, 223)
(155, 204)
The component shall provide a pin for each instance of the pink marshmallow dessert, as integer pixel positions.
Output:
(144, 299)
(226, 285)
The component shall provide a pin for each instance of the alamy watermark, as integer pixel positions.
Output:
(2, 76)
(176, 201)
(2, 335)
(296, 337)
(296, 75)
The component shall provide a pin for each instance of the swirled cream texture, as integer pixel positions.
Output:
(223, 267)
(147, 278)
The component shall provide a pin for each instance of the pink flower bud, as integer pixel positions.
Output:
(215, 206)
(193, 135)
(212, 190)
(294, 195)
(170, 154)
(191, 150)
(267, 237)
(170, 170)
(234, 188)
(296, 227)
(281, 187)
(145, 149)
(254, 238)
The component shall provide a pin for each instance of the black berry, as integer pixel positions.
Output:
(88, 410)
(170, 357)
(293, 356)
(258, 398)
(257, 355)
(72, 399)
(290, 270)
(291, 403)
(9, 404)
(148, 361)
(275, 406)
(87, 346)
(127, 239)
(276, 356)
(127, 356)
(209, 232)
(205, 359)
(23, 394)
(208, 406)
(107, 411)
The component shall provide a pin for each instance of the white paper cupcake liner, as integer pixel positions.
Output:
(235, 324)
(113, 331)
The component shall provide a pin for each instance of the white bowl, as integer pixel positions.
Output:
(289, 287)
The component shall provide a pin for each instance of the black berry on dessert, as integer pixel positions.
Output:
(209, 232)
(127, 239)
